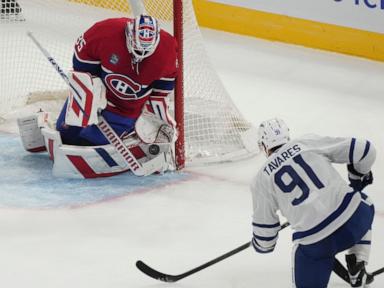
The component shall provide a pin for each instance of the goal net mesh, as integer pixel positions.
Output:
(214, 128)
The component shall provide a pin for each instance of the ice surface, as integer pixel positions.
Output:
(90, 233)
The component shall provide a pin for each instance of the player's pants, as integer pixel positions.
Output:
(313, 264)
(91, 135)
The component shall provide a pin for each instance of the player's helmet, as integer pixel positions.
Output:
(272, 133)
(143, 36)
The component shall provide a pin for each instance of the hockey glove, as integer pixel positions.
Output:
(359, 182)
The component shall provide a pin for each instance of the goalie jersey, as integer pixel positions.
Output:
(102, 51)
(300, 181)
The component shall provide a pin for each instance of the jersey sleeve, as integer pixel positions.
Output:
(163, 86)
(265, 222)
(362, 155)
(85, 56)
(359, 153)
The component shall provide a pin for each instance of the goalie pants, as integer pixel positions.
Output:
(313, 263)
(91, 135)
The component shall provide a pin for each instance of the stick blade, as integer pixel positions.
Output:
(377, 272)
(155, 274)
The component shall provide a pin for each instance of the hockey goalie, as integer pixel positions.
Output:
(116, 116)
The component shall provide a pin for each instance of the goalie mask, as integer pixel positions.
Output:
(272, 133)
(142, 36)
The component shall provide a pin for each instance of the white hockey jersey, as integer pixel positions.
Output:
(299, 180)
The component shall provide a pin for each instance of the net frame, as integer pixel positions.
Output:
(179, 87)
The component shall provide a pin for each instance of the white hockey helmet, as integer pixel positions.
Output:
(142, 36)
(272, 133)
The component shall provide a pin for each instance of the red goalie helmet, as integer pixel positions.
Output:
(143, 36)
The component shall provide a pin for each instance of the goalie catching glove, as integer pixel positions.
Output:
(154, 132)
(151, 129)
(85, 100)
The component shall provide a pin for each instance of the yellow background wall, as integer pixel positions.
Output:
(290, 30)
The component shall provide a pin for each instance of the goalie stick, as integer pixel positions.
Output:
(134, 165)
(137, 7)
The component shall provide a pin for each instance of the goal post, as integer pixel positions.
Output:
(179, 87)
(211, 128)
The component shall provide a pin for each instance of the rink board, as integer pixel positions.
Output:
(341, 38)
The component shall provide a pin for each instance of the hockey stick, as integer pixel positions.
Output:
(134, 165)
(173, 278)
(376, 272)
(342, 272)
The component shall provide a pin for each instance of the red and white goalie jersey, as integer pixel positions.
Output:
(102, 51)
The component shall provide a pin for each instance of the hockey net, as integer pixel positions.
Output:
(213, 129)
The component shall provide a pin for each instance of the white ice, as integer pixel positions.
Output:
(180, 225)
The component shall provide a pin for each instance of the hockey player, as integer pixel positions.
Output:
(327, 215)
(123, 71)
(136, 61)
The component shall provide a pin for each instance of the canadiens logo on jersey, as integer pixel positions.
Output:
(122, 86)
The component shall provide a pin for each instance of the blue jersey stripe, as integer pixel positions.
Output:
(364, 242)
(266, 225)
(94, 69)
(263, 238)
(347, 199)
(260, 249)
(107, 158)
(163, 85)
(351, 150)
(366, 150)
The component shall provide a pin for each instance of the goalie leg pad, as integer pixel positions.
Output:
(104, 160)
(97, 161)
(30, 131)
(71, 161)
